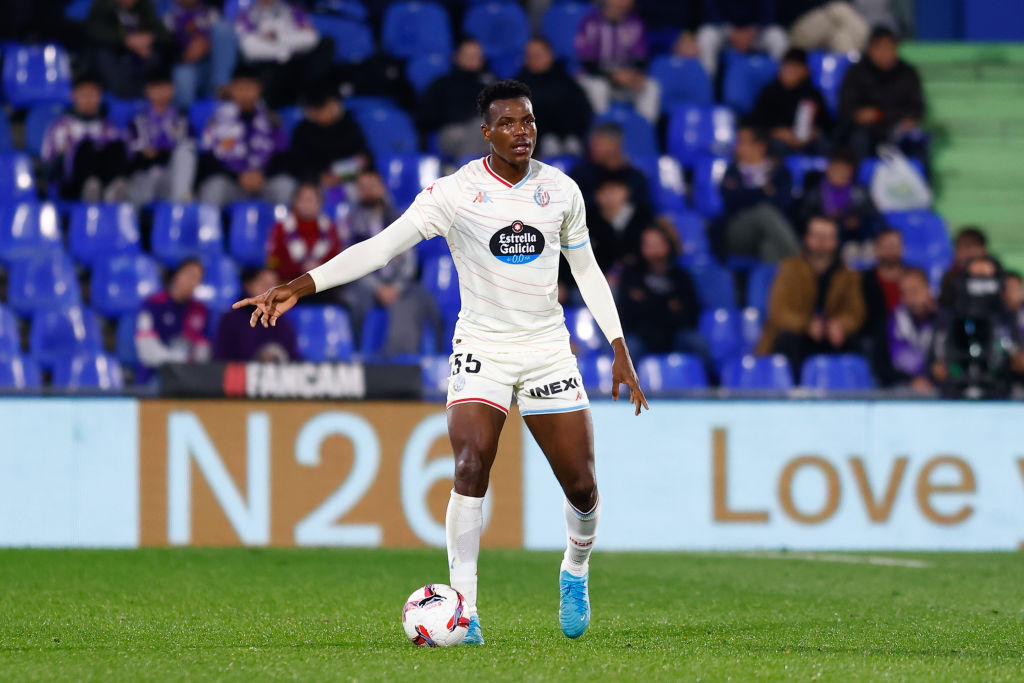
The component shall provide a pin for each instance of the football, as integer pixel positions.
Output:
(434, 616)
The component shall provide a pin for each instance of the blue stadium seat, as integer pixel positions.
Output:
(422, 70)
(559, 26)
(28, 230)
(708, 172)
(38, 120)
(98, 371)
(374, 333)
(181, 231)
(692, 236)
(99, 231)
(758, 373)
(353, 41)
(58, 334)
(388, 131)
(697, 131)
(18, 372)
(416, 28)
(16, 180)
(844, 372)
(926, 240)
(125, 341)
(715, 286)
(867, 168)
(41, 283)
(639, 137)
(827, 72)
(249, 224)
(6, 143)
(683, 81)
(759, 286)
(77, 10)
(361, 104)
(10, 336)
(199, 112)
(405, 175)
(435, 371)
(800, 165)
(744, 77)
(584, 333)
(221, 286)
(441, 280)
(353, 10)
(750, 328)
(121, 112)
(668, 184)
(233, 7)
(596, 371)
(563, 162)
(290, 117)
(502, 29)
(119, 285)
(671, 372)
(721, 328)
(323, 333)
(36, 73)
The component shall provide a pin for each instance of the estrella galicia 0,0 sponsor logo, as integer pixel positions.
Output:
(517, 243)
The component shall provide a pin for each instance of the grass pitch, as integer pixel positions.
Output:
(334, 615)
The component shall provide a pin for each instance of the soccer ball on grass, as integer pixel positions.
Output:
(435, 616)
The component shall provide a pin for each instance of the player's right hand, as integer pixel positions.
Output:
(270, 305)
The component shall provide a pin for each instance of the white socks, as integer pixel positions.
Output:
(581, 529)
(463, 523)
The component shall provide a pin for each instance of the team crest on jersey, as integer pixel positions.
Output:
(482, 198)
(541, 196)
(517, 243)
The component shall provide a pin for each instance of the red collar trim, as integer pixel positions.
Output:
(497, 177)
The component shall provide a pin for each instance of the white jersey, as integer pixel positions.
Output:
(505, 241)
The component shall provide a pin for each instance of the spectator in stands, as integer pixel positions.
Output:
(328, 144)
(756, 193)
(815, 305)
(970, 243)
(832, 25)
(911, 332)
(447, 105)
(238, 341)
(558, 102)
(305, 238)
(611, 44)
(748, 26)
(616, 223)
(792, 110)
(171, 326)
(608, 160)
(163, 155)
(881, 290)
(837, 195)
(394, 287)
(658, 300)
(242, 152)
(205, 50)
(83, 153)
(125, 40)
(279, 41)
(881, 99)
(665, 21)
(1013, 294)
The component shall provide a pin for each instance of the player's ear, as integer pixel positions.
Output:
(485, 131)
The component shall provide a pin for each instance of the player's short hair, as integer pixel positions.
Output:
(508, 89)
(971, 235)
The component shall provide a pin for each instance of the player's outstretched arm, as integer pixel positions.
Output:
(598, 297)
(349, 265)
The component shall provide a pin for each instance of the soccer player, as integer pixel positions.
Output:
(506, 218)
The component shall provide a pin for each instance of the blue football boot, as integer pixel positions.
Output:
(573, 604)
(475, 635)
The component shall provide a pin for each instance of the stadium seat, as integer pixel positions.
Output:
(721, 328)
(422, 70)
(744, 77)
(119, 285)
(353, 41)
(435, 371)
(220, 286)
(125, 341)
(758, 373)
(441, 280)
(502, 29)
(121, 112)
(708, 172)
(388, 131)
(596, 371)
(584, 333)
(559, 26)
(692, 237)
(844, 372)
(62, 333)
(671, 372)
(41, 283)
(324, 333)
(353, 10)
(683, 81)
(16, 180)
(77, 10)
(38, 120)
(563, 162)
(926, 242)
(98, 232)
(715, 286)
(249, 225)
(639, 137)
(416, 28)
(28, 230)
(800, 165)
(18, 372)
(98, 371)
(867, 168)
(405, 175)
(10, 336)
(759, 286)
(827, 71)
(6, 143)
(233, 7)
(361, 104)
(697, 131)
(181, 231)
(374, 333)
(36, 73)
(290, 117)
(198, 113)
(750, 328)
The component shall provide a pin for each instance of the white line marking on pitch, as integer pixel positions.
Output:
(836, 557)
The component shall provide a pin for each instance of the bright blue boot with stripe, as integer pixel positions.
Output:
(573, 604)
(475, 635)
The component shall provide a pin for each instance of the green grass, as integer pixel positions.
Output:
(334, 614)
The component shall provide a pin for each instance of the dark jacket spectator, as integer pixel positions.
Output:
(171, 327)
(607, 160)
(125, 39)
(837, 195)
(328, 144)
(559, 103)
(448, 104)
(970, 243)
(881, 290)
(616, 223)
(304, 239)
(791, 109)
(163, 156)
(237, 340)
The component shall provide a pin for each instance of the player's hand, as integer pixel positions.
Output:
(270, 305)
(624, 373)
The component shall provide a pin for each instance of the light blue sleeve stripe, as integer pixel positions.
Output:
(576, 246)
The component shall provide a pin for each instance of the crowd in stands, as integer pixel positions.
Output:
(726, 149)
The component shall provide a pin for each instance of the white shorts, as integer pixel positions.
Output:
(544, 380)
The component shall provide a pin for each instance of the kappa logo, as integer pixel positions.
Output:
(556, 387)
(541, 196)
(482, 198)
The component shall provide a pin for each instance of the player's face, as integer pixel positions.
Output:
(512, 131)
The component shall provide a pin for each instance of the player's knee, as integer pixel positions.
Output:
(470, 474)
(582, 493)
